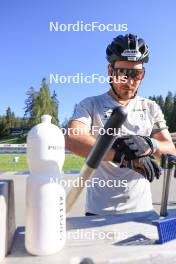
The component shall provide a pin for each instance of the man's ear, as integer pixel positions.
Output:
(109, 70)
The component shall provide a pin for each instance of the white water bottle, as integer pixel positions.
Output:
(45, 197)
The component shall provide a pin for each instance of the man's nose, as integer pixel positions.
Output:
(130, 81)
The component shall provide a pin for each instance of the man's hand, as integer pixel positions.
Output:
(132, 147)
(147, 166)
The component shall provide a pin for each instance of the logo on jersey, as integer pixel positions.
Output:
(107, 112)
(141, 112)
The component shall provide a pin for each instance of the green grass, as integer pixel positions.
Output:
(13, 140)
(72, 162)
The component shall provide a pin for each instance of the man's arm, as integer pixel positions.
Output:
(79, 140)
(164, 143)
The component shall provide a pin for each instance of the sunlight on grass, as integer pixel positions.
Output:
(72, 162)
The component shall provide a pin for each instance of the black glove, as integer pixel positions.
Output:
(147, 166)
(133, 147)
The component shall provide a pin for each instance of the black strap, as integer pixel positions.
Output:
(89, 214)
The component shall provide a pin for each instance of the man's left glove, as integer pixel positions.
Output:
(147, 166)
(132, 147)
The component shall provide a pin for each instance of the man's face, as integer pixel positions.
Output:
(126, 90)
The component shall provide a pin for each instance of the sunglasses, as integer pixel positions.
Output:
(135, 74)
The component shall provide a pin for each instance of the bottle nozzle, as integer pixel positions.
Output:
(46, 118)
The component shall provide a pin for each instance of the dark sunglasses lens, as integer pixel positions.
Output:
(133, 73)
(123, 71)
(119, 72)
(136, 74)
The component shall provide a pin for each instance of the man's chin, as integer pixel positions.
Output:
(127, 96)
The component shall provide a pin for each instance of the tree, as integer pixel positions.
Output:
(10, 120)
(18, 122)
(40, 103)
(153, 98)
(173, 117)
(30, 106)
(4, 130)
(55, 107)
(168, 108)
(161, 102)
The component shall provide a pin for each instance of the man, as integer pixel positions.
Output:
(143, 133)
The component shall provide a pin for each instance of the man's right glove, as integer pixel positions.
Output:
(147, 166)
(133, 147)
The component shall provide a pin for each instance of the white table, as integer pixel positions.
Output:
(128, 238)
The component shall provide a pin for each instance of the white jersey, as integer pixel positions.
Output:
(113, 189)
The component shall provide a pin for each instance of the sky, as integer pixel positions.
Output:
(30, 51)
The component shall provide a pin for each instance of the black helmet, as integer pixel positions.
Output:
(127, 48)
